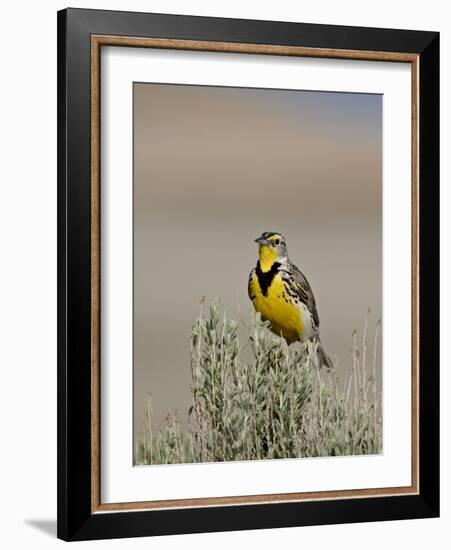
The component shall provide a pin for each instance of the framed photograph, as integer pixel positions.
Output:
(248, 274)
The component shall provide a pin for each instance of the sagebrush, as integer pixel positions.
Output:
(279, 404)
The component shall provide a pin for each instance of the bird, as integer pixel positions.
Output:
(282, 295)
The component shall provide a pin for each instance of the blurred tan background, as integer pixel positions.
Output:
(213, 169)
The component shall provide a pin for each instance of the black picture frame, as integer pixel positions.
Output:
(76, 521)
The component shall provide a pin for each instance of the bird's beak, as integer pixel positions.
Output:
(262, 241)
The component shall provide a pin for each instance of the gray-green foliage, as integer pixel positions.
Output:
(277, 405)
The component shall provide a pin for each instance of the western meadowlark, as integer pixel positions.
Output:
(282, 295)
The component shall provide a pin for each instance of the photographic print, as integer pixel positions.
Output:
(257, 290)
(247, 222)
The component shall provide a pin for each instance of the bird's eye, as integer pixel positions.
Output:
(276, 241)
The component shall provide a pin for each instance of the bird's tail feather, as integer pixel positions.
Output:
(323, 357)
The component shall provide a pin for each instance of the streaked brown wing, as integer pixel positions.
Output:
(304, 291)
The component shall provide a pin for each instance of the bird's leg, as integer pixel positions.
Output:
(303, 348)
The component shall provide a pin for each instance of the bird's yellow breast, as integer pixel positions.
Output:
(276, 307)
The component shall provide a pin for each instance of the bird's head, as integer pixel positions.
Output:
(272, 248)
